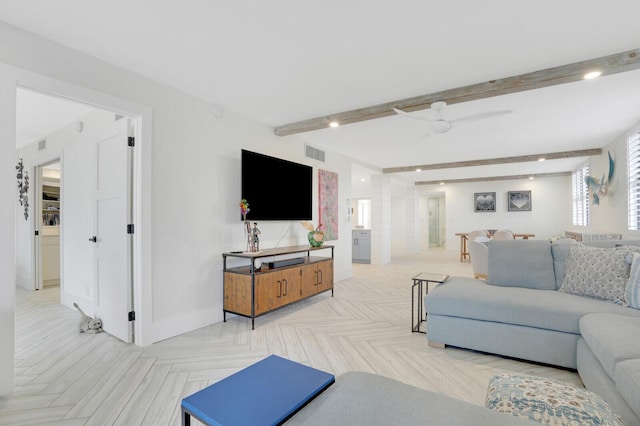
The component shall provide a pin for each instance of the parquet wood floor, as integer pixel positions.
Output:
(67, 378)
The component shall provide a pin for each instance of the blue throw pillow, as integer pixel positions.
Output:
(548, 401)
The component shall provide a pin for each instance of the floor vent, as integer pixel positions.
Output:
(314, 153)
(42, 144)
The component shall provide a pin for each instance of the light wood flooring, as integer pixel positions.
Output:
(67, 378)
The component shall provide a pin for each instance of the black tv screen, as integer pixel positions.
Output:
(276, 189)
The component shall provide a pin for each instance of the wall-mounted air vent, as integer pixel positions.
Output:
(42, 144)
(314, 153)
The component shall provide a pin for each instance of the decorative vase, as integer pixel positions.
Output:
(316, 238)
(247, 233)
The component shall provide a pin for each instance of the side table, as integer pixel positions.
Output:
(421, 281)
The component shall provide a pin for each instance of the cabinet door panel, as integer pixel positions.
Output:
(309, 280)
(291, 285)
(325, 275)
(268, 292)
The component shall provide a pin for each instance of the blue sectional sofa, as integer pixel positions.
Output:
(519, 312)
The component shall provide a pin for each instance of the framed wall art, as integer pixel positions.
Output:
(328, 201)
(519, 201)
(484, 202)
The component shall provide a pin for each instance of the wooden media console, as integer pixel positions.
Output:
(252, 292)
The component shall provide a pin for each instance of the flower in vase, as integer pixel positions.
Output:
(244, 208)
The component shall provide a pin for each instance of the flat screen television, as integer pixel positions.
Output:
(276, 189)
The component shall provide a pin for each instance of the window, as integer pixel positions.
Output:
(633, 169)
(580, 191)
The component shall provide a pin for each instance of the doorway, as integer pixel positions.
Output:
(47, 222)
(432, 220)
(65, 250)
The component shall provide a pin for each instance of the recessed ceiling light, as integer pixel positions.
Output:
(441, 183)
(531, 177)
(541, 159)
(362, 180)
(418, 170)
(334, 124)
(591, 75)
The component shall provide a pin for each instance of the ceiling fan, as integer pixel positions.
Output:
(439, 125)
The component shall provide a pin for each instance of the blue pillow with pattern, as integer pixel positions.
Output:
(548, 401)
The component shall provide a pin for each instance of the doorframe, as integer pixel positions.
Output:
(141, 116)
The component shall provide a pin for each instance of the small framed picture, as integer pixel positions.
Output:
(519, 201)
(484, 202)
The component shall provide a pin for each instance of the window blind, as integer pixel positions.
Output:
(580, 191)
(633, 169)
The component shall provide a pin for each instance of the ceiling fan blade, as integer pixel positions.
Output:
(481, 116)
(406, 114)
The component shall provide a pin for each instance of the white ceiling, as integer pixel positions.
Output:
(38, 115)
(280, 62)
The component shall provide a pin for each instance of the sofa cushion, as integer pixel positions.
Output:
(628, 383)
(546, 309)
(560, 250)
(598, 272)
(632, 292)
(521, 263)
(367, 399)
(612, 338)
(548, 401)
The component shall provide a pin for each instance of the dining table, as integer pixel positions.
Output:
(464, 238)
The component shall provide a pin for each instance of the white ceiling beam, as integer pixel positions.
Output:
(612, 64)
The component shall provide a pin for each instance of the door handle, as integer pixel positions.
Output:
(93, 239)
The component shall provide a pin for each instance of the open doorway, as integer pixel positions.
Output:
(47, 222)
(72, 227)
(432, 214)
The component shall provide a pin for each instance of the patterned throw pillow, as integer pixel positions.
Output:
(633, 286)
(548, 401)
(598, 272)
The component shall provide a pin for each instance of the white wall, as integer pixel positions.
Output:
(611, 214)
(189, 202)
(550, 213)
(8, 197)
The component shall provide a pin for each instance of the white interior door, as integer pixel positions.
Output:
(112, 264)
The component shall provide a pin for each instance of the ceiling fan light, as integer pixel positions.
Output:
(440, 126)
(592, 74)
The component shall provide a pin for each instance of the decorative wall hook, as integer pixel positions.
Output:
(23, 188)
